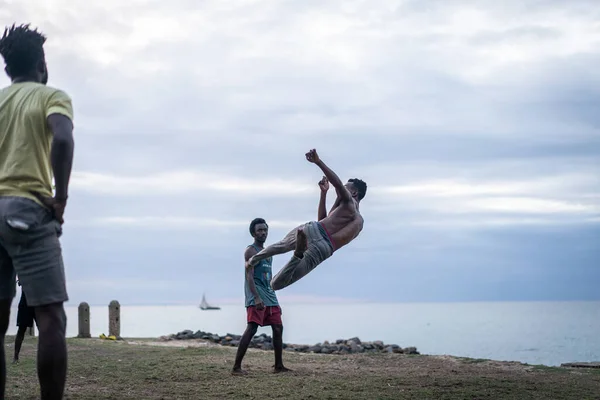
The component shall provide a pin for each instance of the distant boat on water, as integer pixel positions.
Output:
(205, 306)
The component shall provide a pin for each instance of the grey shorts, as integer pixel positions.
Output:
(319, 249)
(29, 247)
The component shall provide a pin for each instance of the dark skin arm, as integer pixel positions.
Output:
(61, 158)
(342, 192)
(324, 186)
(250, 251)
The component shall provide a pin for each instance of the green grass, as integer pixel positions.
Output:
(545, 368)
(119, 370)
(472, 360)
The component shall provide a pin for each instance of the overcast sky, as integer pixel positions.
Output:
(475, 124)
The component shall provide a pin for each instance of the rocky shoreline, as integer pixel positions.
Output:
(265, 342)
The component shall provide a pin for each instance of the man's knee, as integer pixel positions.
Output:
(277, 330)
(252, 328)
(51, 318)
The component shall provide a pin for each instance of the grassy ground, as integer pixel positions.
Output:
(120, 370)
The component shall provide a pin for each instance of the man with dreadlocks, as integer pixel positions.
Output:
(36, 144)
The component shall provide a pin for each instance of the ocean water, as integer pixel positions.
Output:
(547, 333)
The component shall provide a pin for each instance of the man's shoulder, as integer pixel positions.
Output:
(250, 250)
(53, 92)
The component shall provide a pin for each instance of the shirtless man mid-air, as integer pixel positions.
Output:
(315, 241)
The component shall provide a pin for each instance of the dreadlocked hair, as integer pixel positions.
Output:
(22, 49)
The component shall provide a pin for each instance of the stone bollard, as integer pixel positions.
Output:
(84, 320)
(114, 319)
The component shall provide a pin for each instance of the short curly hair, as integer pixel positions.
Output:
(255, 222)
(22, 49)
(361, 186)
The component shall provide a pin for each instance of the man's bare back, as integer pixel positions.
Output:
(344, 223)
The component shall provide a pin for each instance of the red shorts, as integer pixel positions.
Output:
(270, 315)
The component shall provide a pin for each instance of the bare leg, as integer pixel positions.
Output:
(4, 319)
(243, 347)
(278, 345)
(18, 342)
(52, 350)
(283, 246)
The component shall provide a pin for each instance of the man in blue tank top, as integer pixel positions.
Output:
(261, 302)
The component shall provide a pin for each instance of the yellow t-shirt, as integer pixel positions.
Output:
(25, 137)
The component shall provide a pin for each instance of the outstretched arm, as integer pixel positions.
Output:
(324, 186)
(342, 192)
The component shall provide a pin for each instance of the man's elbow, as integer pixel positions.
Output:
(63, 138)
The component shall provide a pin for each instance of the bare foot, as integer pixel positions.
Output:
(238, 371)
(301, 243)
(277, 370)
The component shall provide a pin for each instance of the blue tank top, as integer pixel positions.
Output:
(262, 280)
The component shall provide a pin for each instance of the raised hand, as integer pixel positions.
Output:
(312, 156)
(324, 184)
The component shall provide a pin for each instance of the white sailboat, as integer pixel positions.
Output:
(205, 306)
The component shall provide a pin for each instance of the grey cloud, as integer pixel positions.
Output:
(395, 95)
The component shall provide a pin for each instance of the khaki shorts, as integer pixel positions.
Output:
(30, 248)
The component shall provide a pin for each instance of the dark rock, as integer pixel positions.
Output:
(187, 334)
(265, 342)
(355, 340)
(314, 349)
(267, 346)
(354, 348)
(581, 365)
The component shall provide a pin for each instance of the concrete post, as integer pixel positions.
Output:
(84, 320)
(114, 319)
